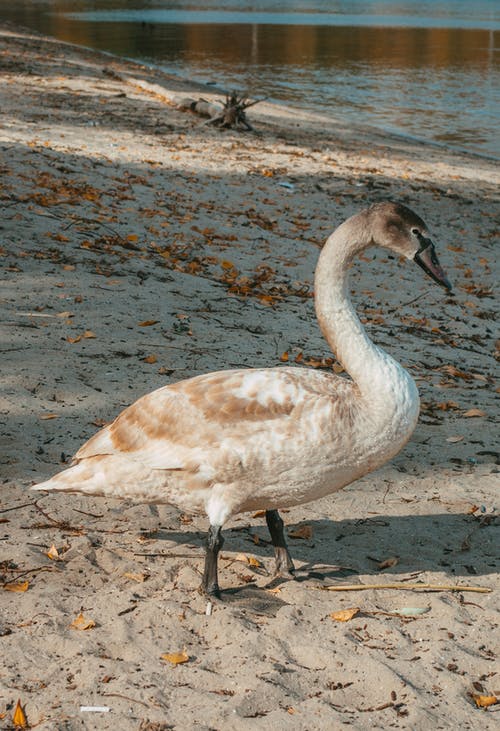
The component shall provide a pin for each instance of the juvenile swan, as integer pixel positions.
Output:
(268, 438)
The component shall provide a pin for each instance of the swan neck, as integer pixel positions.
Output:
(338, 320)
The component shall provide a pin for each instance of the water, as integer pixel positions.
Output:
(426, 68)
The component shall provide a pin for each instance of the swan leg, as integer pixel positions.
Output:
(215, 541)
(284, 563)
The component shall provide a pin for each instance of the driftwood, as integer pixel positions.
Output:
(230, 114)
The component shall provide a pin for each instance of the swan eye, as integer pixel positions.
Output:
(415, 232)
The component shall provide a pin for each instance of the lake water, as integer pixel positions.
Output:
(424, 68)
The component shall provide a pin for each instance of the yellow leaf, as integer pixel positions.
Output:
(259, 514)
(147, 323)
(136, 577)
(53, 553)
(284, 357)
(248, 559)
(82, 623)
(474, 412)
(304, 531)
(17, 586)
(176, 658)
(19, 718)
(344, 615)
(150, 359)
(225, 264)
(89, 334)
(45, 417)
(132, 237)
(74, 340)
(483, 701)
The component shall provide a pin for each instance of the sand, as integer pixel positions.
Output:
(140, 247)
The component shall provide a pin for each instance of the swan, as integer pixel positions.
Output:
(268, 438)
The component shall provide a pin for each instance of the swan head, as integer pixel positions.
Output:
(396, 227)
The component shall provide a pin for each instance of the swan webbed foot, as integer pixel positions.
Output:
(209, 584)
(284, 563)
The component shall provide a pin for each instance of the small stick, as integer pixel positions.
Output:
(410, 587)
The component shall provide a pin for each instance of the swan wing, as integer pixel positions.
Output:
(209, 418)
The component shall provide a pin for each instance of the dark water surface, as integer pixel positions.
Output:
(426, 68)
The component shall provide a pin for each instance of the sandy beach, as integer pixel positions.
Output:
(139, 247)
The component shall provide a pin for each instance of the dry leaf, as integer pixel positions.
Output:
(284, 357)
(17, 586)
(82, 623)
(89, 334)
(45, 417)
(388, 563)
(140, 578)
(247, 559)
(344, 615)
(147, 323)
(259, 514)
(254, 561)
(483, 701)
(52, 553)
(150, 359)
(132, 237)
(452, 440)
(19, 718)
(304, 531)
(176, 658)
(474, 412)
(74, 340)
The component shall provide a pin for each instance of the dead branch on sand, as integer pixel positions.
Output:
(231, 114)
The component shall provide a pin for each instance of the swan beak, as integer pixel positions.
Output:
(426, 257)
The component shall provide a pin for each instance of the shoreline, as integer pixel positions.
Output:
(140, 247)
(213, 90)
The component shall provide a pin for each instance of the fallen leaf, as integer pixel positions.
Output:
(17, 586)
(99, 422)
(254, 561)
(248, 559)
(147, 323)
(140, 578)
(45, 417)
(284, 357)
(259, 514)
(89, 334)
(474, 412)
(483, 701)
(344, 615)
(82, 623)
(74, 340)
(52, 553)
(132, 237)
(150, 359)
(304, 531)
(452, 440)
(19, 718)
(388, 563)
(176, 658)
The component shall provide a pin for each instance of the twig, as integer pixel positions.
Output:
(410, 587)
(16, 507)
(127, 698)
